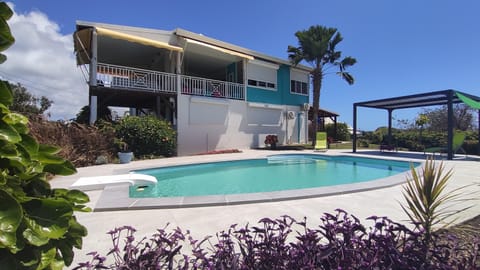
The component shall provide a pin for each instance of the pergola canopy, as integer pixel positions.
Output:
(444, 97)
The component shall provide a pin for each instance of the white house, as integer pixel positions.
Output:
(217, 95)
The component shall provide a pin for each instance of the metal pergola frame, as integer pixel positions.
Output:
(444, 97)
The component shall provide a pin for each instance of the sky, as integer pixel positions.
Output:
(402, 47)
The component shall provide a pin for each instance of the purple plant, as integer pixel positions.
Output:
(339, 242)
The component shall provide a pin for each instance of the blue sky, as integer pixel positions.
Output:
(402, 47)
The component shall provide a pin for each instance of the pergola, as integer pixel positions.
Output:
(444, 97)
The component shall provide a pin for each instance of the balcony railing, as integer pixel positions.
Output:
(148, 80)
(212, 88)
(135, 78)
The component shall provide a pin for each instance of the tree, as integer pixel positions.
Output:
(437, 118)
(341, 132)
(317, 47)
(26, 103)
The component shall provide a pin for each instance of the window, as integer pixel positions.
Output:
(262, 84)
(298, 87)
(262, 74)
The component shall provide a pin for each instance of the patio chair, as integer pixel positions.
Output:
(458, 139)
(321, 141)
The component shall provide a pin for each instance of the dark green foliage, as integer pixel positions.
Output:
(103, 113)
(147, 135)
(26, 103)
(342, 133)
(38, 229)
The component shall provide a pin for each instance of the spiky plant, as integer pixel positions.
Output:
(428, 203)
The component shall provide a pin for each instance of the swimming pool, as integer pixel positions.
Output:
(275, 173)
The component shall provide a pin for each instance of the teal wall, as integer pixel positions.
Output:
(232, 69)
(282, 96)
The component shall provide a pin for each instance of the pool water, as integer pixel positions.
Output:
(275, 173)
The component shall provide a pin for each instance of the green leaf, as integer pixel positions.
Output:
(48, 217)
(35, 238)
(6, 38)
(66, 168)
(47, 158)
(5, 12)
(8, 150)
(3, 58)
(67, 252)
(77, 196)
(8, 133)
(15, 118)
(10, 218)
(6, 96)
(49, 149)
(47, 257)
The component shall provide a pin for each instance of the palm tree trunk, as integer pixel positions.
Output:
(317, 84)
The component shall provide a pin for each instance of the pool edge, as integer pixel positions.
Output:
(117, 198)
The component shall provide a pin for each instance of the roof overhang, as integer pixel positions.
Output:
(417, 100)
(136, 39)
(242, 51)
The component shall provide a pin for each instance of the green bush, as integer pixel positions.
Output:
(38, 228)
(342, 133)
(147, 135)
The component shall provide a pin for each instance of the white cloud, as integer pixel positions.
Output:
(42, 60)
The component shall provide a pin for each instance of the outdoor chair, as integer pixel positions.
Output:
(321, 141)
(458, 140)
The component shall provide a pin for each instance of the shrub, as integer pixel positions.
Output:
(38, 228)
(81, 144)
(147, 135)
(342, 133)
(339, 242)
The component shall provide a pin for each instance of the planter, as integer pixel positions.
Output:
(125, 157)
(273, 146)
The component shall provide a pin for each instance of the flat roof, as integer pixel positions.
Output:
(418, 100)
(199, 37)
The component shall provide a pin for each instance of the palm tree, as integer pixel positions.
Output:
(317, 47)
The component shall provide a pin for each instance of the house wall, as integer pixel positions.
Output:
(207, 124)
(282, 94)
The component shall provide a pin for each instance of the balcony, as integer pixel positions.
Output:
(120, 77)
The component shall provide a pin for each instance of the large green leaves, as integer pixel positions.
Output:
(6, 38)
(10, 218)
(38, 228)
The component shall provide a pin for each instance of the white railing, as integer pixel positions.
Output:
(135, 78)
(148, 80)
(212, 88)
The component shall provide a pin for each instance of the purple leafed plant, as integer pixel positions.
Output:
(339, 242)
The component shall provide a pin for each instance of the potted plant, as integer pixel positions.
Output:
(271, 140)
(124, 153)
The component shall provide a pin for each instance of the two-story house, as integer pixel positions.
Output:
(217, 95)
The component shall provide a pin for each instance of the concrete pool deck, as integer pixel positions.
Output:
(208, 220)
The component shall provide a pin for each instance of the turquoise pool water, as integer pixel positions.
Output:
(275, 173)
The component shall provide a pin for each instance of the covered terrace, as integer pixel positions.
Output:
(444, 97)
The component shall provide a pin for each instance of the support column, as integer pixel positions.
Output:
(93, 109)
(450, 126)
(390, 126)
(93, 59)
(354, 135)
(158, 107)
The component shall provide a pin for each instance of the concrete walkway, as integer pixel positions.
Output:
(203, 221)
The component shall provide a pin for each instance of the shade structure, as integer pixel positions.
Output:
(443, 97)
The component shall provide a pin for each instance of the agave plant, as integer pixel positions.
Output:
(428, 203)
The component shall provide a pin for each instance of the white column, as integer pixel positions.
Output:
(93, 109)
(93, 59)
